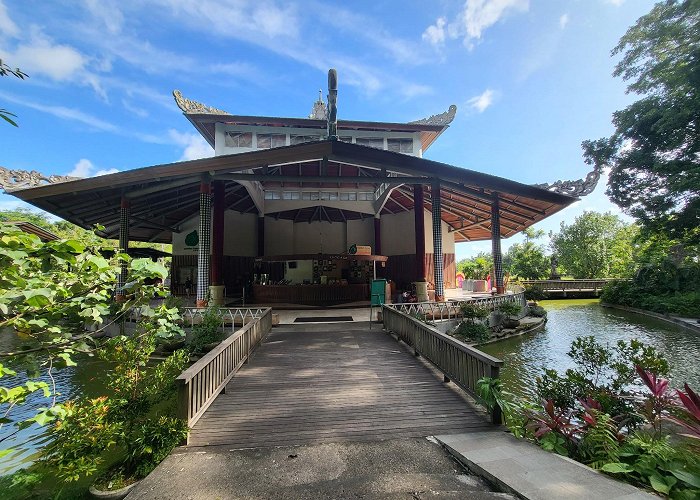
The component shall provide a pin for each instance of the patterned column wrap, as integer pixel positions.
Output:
(123, 245)
(496, 244)
(204, 244)
(437, 244)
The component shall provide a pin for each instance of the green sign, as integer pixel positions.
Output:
(192, 239)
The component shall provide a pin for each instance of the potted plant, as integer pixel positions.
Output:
(508, 310)
(134, 420)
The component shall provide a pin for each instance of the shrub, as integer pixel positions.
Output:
(207, 332)
(472, 312)
(534, 292)
(510, 308)
(473, 332)
(537, 311)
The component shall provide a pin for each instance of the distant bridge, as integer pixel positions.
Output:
(569, 288)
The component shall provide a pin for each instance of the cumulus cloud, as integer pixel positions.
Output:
(616, 3)
(435, 33)
(195, 147)
(85, 168)
(482, 101)
(7, 26)
(479, 15)
(563, 21)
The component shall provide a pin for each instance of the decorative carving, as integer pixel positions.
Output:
(193, 107)
(332, 104)
(11, 180)
(442, 119)
(319, 111)
(581, 187)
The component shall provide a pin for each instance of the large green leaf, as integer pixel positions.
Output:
(617, 468)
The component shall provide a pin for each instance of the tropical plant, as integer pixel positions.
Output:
(125, 419)
(527, 260)
(477, 267)
(207, 332)
(6, 70)
(689, 412)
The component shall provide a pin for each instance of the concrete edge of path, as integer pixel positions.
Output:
(692, 324)
(524, 469)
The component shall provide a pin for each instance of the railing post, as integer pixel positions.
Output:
(496, 414)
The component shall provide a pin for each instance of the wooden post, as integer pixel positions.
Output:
(377, 235)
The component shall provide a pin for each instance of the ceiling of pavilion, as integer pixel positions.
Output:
(163, 197)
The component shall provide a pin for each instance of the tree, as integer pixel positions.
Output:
(595, 246)
(58, 297)
(6, 70)
(654, 154)
(477, 267)
(527, 260)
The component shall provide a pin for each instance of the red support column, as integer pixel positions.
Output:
(377, 235)
(261, 235)
(217, 235)
(420, 231)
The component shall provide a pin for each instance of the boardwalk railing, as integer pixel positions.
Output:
(231, 317)
(198, 386)
(460, 363)
(570, 285)
(440, 311)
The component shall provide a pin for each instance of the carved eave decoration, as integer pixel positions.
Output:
(443, 119)
(190, 107)
(581, 187)
(11, 180)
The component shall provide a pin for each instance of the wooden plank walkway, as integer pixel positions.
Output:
(311, 384)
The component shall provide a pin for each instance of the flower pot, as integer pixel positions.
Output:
(112, 494)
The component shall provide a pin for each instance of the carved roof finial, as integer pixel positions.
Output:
(319, 111)
(11, 180)
(581, 187)
(442, 119)
(190, 107)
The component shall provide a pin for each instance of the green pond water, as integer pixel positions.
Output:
(527, 356)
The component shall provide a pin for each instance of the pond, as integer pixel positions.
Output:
(527, 356)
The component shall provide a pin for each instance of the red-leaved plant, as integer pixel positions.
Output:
(659, 401)
(551, 420)
(690, 410)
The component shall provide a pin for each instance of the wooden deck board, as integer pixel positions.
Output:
(338, 383)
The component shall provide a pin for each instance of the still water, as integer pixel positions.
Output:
(527, 356)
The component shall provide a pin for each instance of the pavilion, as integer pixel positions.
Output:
(306, 203)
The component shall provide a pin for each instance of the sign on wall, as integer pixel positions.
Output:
(360, 250)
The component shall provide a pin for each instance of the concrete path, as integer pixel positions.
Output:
(534, 474)
(324, 383)
(412, 469)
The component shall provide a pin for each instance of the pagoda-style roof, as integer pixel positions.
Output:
(163, 197)
(204, 118)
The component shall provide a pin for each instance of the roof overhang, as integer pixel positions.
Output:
(164, 196)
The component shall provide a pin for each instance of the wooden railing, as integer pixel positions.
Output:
(582, 285)
(231, 317)
(460, 363)
(199, 385)
(440, 311)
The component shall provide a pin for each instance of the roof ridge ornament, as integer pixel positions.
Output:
(581, 187)
(319, 110)
(188, 106)
(11, 180)
(332, 104)
(442, 119)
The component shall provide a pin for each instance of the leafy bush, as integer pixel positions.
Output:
(510, 308)
(207, 332)
(472, 312)
(472, 332)
(534, 292)
(537, 311)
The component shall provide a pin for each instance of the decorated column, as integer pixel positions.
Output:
(261, 235)
(204, 243)
(123, 247)
(437, 244)
(377, 235)
(496, 244)
(217, 239)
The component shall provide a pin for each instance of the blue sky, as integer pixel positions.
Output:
(531, 79)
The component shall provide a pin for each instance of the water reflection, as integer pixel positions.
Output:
(527, 356)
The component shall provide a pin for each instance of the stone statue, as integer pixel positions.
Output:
(554, 262)
(332, 104)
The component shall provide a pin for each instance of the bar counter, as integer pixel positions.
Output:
(310, 295)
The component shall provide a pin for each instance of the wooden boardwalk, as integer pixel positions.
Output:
(316, 383)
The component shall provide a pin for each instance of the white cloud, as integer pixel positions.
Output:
(479, 15)
(482, 101)
(108, 13)
(7, 26)
(616, 3)
(41, 56)
(85, 168)
(195, 146)
(435, 34)
(563, 21)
